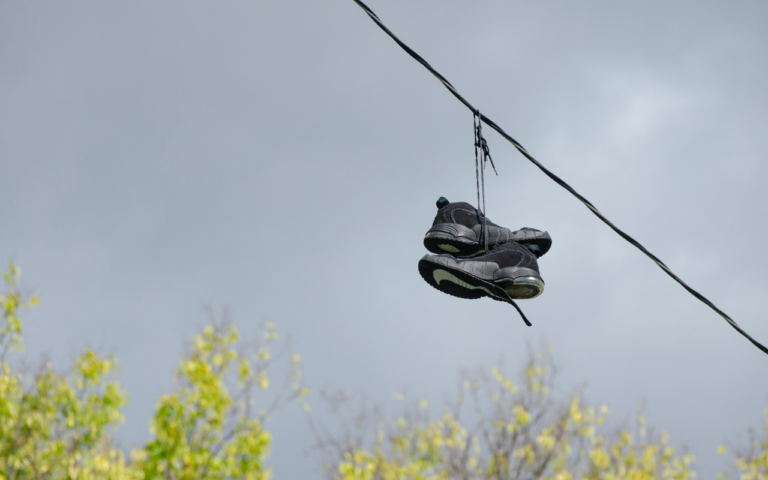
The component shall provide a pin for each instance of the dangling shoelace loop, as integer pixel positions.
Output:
(480, 206)
(481, 147)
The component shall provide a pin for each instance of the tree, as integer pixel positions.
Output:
(517, 429)
(57, 426)
(751, 462)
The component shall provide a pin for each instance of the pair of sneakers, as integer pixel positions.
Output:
(463, 268)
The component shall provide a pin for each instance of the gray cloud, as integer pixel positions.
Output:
(283, 159)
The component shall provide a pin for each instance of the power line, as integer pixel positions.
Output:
(554, 177)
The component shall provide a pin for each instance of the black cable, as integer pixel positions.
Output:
(557, 179)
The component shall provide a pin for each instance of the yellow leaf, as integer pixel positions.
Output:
(721, 449)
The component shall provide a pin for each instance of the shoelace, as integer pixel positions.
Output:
(481, 147)
(503, 293)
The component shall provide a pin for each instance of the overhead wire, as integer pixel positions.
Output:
(555, 178)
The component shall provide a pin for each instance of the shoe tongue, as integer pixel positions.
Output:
(441, 202)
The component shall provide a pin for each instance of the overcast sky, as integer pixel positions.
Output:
(282, 160)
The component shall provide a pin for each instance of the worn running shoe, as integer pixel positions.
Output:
(505, 271)
(458, 230)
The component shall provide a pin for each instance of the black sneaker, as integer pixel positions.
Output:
(507, 271)
(458, 230)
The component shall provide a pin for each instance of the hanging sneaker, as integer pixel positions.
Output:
(458, 230)
(506, 271)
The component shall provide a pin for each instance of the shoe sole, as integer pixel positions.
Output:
(452, 282)
(444, 242)
(457, 283)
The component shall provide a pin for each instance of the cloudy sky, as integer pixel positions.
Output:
(282, 160)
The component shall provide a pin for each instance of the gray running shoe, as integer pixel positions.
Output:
(458, 230)
(507, 271)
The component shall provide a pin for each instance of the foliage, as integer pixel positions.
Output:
(203, 430)
(516, 430)
(58, 426)
(751, 463)
(53, 425)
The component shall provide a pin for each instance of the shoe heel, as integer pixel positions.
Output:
(525, 287)
(520, 283)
